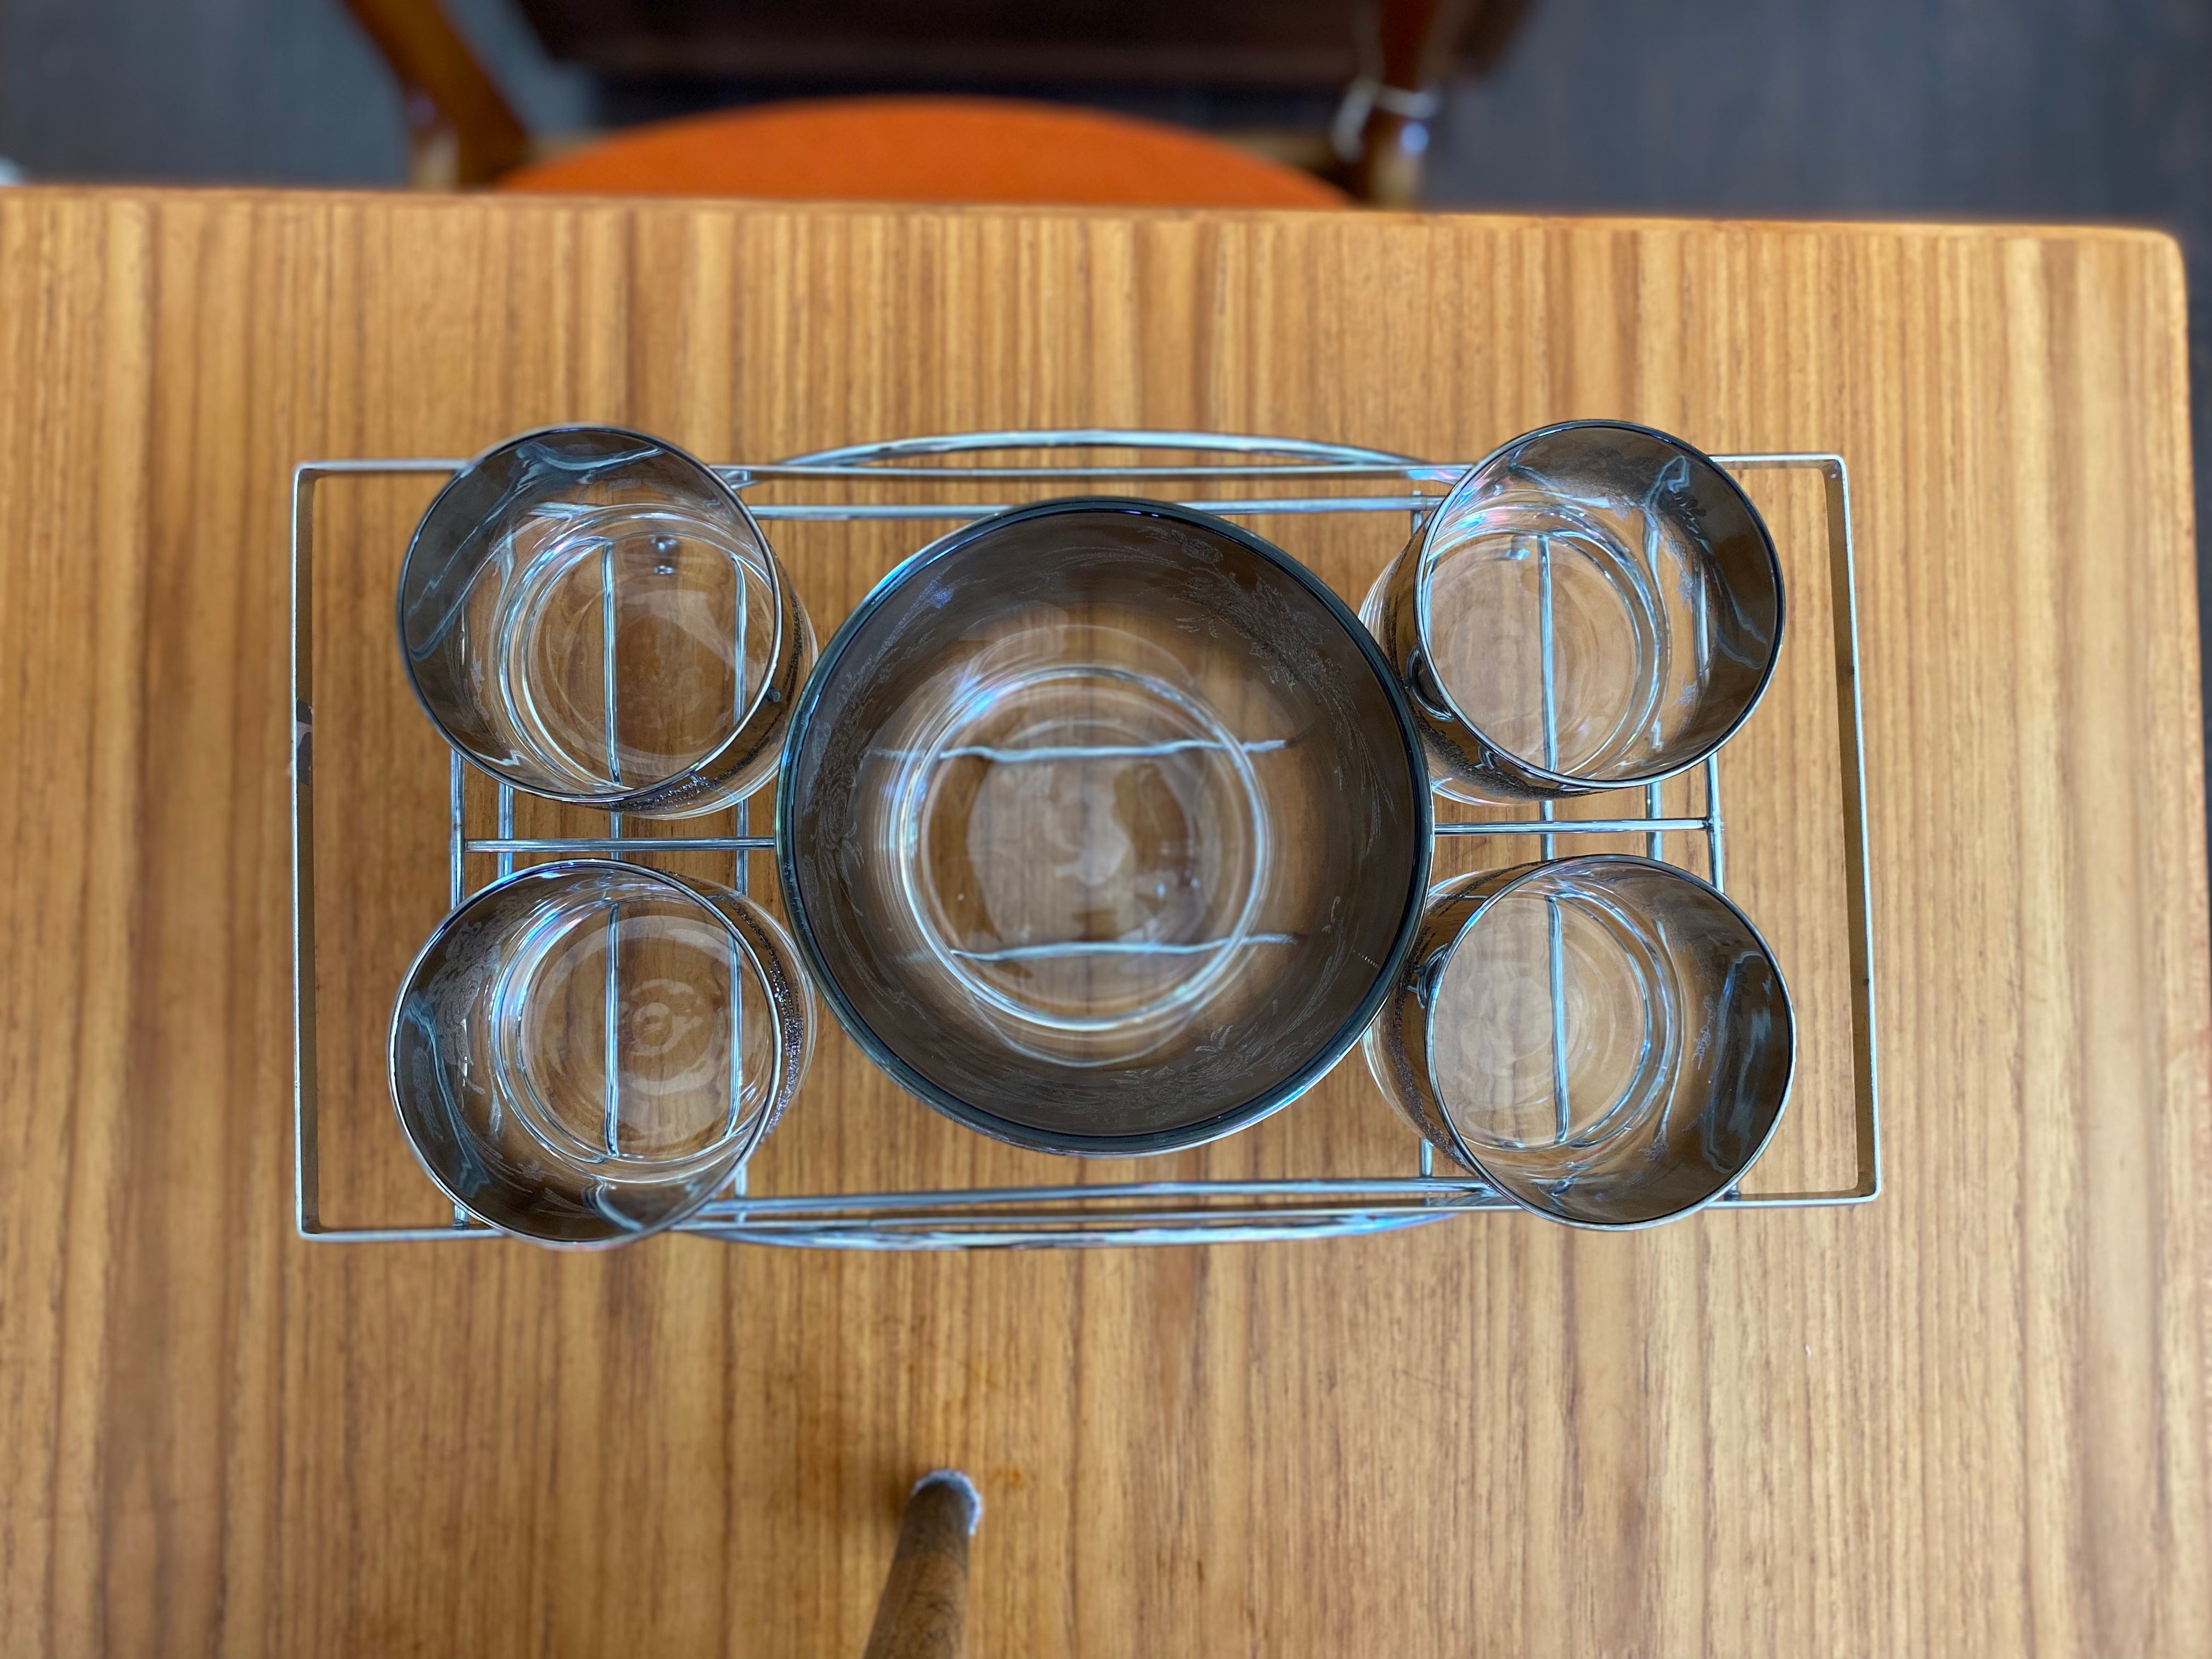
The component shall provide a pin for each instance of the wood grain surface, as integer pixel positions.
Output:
(1969, 1418)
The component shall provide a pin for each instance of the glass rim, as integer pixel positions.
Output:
(1551, 778)
(1213, 969)
(641, 801)
(1231, 1119)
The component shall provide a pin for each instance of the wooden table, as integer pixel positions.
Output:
(1969, 1418)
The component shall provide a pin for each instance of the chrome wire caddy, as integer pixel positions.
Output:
(1294, 477)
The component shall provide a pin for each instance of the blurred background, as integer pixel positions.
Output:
(2034, 110)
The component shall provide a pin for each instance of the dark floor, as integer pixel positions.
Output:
(2036, 109)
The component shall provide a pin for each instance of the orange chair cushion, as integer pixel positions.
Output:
(926, 149)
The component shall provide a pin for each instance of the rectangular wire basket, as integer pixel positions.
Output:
(1296, 476)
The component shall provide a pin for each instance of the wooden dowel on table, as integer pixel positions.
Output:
(923, 1612)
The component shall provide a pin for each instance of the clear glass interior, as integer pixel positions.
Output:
(619, 646)
(1557, 1021)
(1555, 638)
(627, 1028)
(1080, 843)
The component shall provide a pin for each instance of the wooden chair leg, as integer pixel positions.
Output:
(923, 1612)
(1415, 44)
(460, 129)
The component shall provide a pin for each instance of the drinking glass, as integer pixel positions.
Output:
(586, 1051)
(594, 616)
(1595, 605)
(1606, 1039)
(1103, 826)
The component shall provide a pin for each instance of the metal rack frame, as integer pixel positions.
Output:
(1141, 1213)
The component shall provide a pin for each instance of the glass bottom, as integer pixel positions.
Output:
(619, 1033)
(625, 645)
(1547, 637)
(1557, 1024)
(1082, 847)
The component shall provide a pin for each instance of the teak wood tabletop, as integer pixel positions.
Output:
(1968, 1418)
